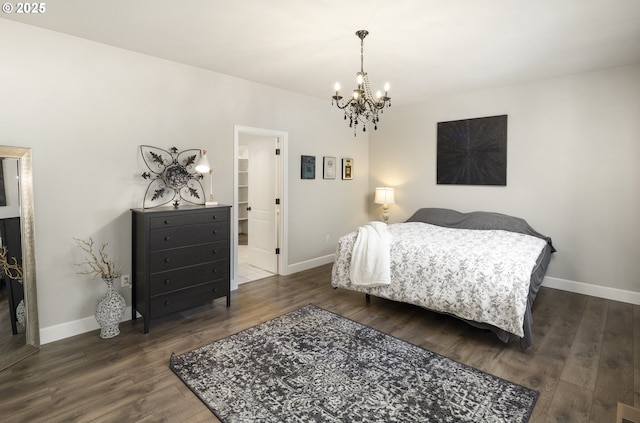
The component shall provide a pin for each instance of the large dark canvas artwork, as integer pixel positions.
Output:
(473, 151)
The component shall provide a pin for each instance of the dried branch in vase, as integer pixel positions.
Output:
(12, 269)
(98, 262)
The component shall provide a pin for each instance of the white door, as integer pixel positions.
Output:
(263, 234)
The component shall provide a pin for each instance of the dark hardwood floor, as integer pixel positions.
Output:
(585, 359)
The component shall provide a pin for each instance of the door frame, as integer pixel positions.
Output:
(283, 188)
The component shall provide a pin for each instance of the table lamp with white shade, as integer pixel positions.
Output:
(384, 196)
(203, 166)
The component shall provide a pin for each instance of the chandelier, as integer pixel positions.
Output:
(362, 107)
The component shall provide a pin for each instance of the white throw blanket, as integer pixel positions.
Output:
(371, 256)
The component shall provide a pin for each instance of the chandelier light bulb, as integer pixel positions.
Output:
(337, 86)
(378, 95)
(360, 79)
(355, 95)
(386, 87)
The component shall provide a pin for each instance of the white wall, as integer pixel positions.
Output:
(573, 168)
(10, 175)
(84, 108)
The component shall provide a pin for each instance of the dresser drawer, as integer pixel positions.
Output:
(162, 260)
(179, 236)
(170, 221)
(188, 297)
(163, 282)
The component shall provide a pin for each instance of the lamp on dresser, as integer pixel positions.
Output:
(203, 166)
(384, 196)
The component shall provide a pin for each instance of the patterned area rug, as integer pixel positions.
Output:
(312, 365)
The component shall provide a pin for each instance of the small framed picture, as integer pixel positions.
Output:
(308, 167)
(347, 168)
(329, 168)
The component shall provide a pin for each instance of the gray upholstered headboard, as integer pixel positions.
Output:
(476, 220)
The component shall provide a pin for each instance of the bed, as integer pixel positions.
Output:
(484, 268)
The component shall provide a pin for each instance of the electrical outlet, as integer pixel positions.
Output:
(125, 282)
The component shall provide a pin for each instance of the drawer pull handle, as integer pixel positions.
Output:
(214, 217)
(167, 260)
(215, 251)
(167, 238)
(215, 231)
(166, 222)
(215, 270)
(215, 289)
(166, 303)
(166, 281)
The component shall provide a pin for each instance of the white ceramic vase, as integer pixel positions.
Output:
(110, 311)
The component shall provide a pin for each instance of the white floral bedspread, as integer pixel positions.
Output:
(478, 275)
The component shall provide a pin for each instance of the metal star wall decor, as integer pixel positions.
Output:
(172, 176)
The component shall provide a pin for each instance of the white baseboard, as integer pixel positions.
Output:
(310, 264)
(87, 324)
(614, 294)
(76, 327)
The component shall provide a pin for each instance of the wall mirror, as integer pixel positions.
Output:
(19, 329)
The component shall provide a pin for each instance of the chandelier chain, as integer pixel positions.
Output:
(362, 55)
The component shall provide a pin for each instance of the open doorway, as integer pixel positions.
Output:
(259, 206)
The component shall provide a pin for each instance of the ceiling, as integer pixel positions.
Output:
(424, 48)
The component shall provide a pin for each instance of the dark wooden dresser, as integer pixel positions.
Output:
(180, 259)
